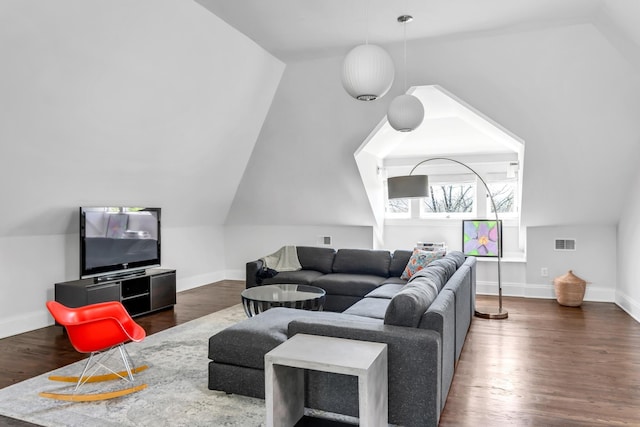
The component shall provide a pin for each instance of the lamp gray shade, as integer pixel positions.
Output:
(408, 186)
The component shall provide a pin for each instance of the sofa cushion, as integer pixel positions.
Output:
(435, 272)
(448, 263)
(300, 277)
(399, 261)
(419, 260)
(348, 284)
(407, 306)
(388, 290)
(318, 259)
(362, 261)
(458, 257)
(394, 281)
(246, 342)
(369, 307)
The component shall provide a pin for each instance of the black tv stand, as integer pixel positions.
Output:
(140, 292)
(119, 276)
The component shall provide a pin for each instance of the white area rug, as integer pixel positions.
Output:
(177, 393)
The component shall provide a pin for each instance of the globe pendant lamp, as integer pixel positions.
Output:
(367, 72)
(406, 112)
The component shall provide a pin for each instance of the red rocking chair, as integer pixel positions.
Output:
(99, 329)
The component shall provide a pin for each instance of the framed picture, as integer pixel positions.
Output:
(480, 237)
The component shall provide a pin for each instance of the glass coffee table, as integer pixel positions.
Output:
(257, 299)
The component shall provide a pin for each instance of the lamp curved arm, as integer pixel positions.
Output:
(495, 211)
(493, 203)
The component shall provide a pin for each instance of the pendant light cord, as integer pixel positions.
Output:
(366, 22)
(404, 31)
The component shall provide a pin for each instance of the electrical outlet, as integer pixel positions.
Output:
(544, 272)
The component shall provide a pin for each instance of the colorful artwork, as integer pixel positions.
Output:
(480, 237)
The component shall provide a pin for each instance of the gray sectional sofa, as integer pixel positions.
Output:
(346, 275)
(424, 322)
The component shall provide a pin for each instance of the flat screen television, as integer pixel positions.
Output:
(118, 240)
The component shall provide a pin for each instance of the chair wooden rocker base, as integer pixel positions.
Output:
(102, 330)
(92, 397)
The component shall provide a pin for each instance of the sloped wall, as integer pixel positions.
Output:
(152, 103)
(565, 90)
(302, 171)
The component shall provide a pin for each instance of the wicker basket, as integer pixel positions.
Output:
(569, 289)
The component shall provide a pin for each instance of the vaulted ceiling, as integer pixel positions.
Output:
(292, 28)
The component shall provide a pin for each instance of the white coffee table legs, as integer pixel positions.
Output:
(284, 376)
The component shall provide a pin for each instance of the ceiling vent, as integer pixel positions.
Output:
(565, 245)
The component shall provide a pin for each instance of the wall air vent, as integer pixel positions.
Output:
(565, 245)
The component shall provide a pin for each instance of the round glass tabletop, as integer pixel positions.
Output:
(260, 298)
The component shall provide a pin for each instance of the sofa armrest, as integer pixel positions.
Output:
(252, 272)
(414, 364)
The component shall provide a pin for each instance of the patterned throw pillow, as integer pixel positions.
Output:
(419, 260)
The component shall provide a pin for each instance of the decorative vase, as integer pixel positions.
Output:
(569, 289)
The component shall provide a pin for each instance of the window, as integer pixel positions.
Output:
(449, 198)
(398, 208)
(504, 195)
(460, 195)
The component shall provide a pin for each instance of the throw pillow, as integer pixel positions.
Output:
(419, 260)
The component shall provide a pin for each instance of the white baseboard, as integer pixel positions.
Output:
(186, 283)
(236, 274)
(545, 291)
(25, 323)
(626, 303)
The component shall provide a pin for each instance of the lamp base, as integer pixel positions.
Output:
(488, 313)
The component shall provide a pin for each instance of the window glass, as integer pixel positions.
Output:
(449, 198)
(504, 196)
(398, 208)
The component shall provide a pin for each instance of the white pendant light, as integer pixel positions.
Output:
(367, 72)
(406, 112)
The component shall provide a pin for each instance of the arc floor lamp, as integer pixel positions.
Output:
(413, 186)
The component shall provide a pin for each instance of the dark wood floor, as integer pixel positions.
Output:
(546, 365)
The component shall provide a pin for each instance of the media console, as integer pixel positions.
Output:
(152, 290)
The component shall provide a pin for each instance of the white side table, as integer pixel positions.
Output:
(284, 376)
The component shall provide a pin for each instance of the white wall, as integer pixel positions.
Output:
(569, 94)
(151, 102)
(628, 233)
(513, 269)
(32, 264)
(405, 235)
(248, 243)
(594, 259)
(302, 170)
(564, 90)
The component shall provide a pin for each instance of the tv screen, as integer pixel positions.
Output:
(115, 240)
